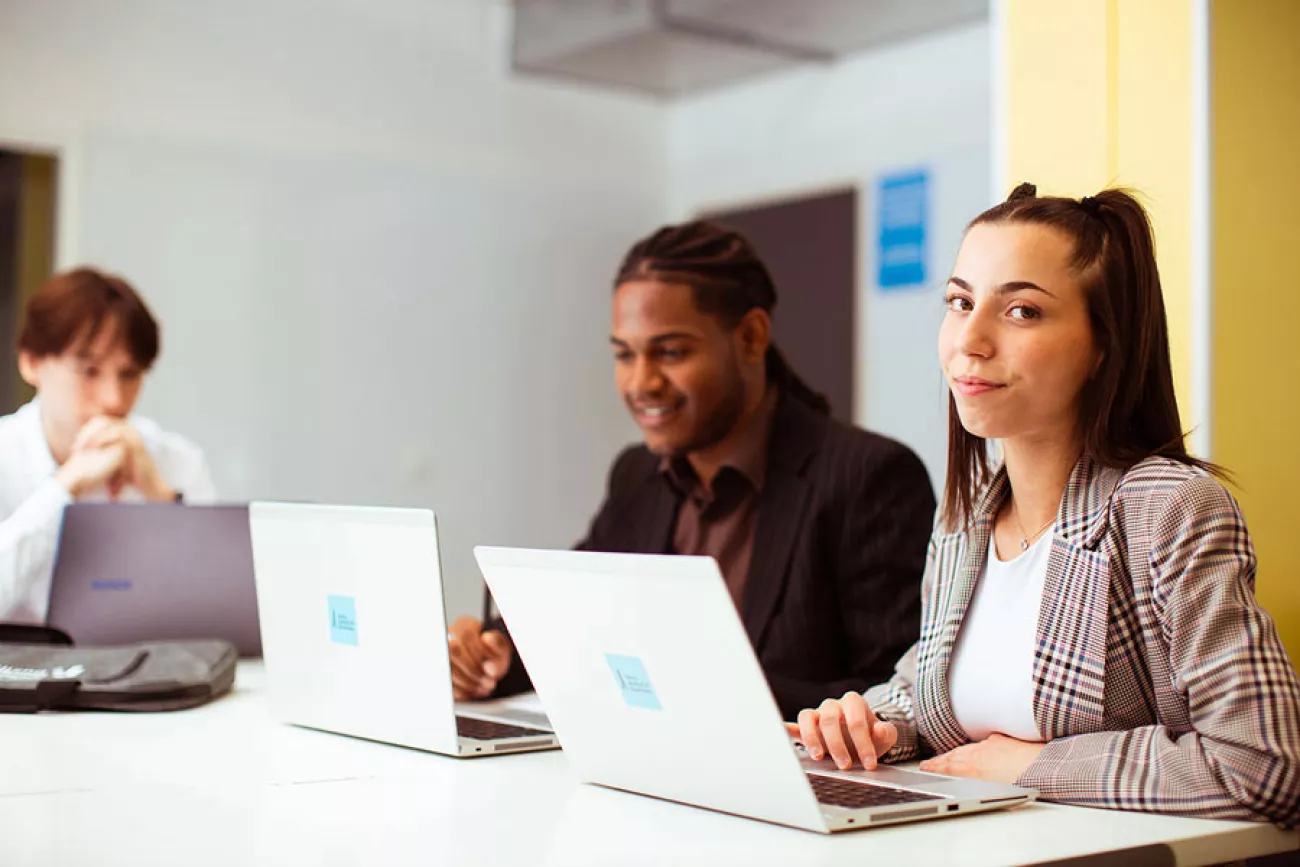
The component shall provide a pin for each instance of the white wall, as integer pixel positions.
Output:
(924, 102)
(381, 263)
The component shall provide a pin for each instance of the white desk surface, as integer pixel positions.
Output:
(227, 785)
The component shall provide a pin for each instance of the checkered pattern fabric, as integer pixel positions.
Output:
(1159, 682)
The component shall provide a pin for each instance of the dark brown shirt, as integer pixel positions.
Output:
(719, 521)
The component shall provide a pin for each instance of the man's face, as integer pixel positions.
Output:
(677, 368)
(95, 376)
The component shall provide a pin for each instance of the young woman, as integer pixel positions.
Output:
(1089, 626)
(86, 344)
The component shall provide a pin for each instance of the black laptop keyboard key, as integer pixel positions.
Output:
(855, 794)
(486, 730)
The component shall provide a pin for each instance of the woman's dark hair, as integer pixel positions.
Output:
(74, 306)
(1128, 411)
(727, 280)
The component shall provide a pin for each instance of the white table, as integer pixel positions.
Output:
(227, 785)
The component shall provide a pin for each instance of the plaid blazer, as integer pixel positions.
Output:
(1159, 683)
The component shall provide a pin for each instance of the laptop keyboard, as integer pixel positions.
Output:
(855, 794)
(486, 730)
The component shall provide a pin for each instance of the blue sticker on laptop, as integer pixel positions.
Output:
(343, 620)
(633, 681)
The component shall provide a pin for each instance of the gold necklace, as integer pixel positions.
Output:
(1025, 537)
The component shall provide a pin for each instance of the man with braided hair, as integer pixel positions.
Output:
(820, 528)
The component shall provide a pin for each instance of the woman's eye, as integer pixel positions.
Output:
(958, 303)
(1023, 312)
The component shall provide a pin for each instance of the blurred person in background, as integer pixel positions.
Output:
(86, 344)
(819, 528)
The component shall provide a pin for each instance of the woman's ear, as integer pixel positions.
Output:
(1096, 365)
(755, 335)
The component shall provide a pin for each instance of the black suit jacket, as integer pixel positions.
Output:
(833, 596)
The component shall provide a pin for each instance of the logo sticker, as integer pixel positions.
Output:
(343, 620)
(634, 682)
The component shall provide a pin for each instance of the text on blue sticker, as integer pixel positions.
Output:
(343, 620)
(633, 681)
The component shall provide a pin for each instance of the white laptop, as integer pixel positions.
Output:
(354, 631)
(650, 682)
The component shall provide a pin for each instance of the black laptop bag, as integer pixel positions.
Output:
(41, 669)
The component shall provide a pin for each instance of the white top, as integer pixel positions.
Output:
(31, 503)
(225, 784)
(991, 678)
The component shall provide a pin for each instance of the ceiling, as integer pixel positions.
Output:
(675, 47)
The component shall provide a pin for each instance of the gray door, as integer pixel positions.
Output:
(810, 246)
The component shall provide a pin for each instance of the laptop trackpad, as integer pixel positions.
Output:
(904, 778)
(521, 710)
(525, 718)
(901, 777)
(883, 774)
(888, 775)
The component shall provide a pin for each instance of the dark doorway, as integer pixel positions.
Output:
(810, 246)
(28, 190)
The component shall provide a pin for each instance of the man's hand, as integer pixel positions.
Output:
(91, 467)
(138, 470)
(479, 659)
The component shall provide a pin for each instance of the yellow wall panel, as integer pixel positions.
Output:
(1153, 147)
(1255, 200)
(1057, 93)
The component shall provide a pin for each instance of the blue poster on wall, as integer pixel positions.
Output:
(902, 226)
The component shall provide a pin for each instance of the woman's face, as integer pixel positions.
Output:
(1016, 344)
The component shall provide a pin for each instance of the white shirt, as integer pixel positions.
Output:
(32, 501)
(991, 678)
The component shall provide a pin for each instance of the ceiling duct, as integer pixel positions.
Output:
(673, 47)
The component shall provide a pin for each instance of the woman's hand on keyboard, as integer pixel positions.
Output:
(845, 728)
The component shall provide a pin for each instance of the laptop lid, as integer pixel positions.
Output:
(128, 572)
(353, 625)
(641, 661)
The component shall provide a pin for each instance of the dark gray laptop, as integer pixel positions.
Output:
(127, 572)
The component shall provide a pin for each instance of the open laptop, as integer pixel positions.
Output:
(650, 682)
(128, 572)
(354, 631)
